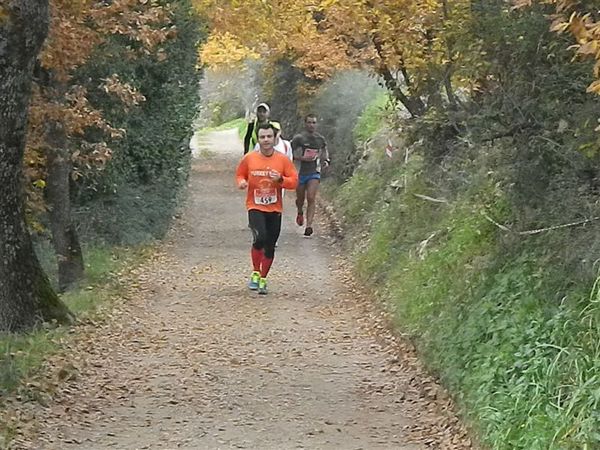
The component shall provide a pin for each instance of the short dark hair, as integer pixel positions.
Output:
(266, 126)
(310, 116)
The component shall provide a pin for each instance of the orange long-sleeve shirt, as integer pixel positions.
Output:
(264, 194)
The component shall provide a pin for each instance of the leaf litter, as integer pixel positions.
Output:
(188, 358)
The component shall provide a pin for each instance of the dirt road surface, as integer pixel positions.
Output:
(195, 360)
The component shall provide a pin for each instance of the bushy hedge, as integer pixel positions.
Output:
(133, 198)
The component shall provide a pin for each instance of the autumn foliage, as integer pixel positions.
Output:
(419, 48)
(582, 21)
(414, 46)
(77, 30)
(100, 64)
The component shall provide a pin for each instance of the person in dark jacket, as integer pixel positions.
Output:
(262, 116)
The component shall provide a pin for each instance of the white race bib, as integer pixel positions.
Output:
(265, 196)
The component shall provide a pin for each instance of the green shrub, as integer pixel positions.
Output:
(514, 344)
(133, 199)
(507, 314)
(371, 118)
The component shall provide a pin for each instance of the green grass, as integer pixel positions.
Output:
(22, 355)
(370, 120)
(239, 124)
(514, 340)
(355, 198)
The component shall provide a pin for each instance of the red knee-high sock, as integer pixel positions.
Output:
(265, 266)
(257, 258)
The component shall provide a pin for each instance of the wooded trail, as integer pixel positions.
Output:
(195, 360)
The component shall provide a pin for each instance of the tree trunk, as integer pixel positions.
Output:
(64, 236)
(413, 104)
(26, 296)
(449, 66)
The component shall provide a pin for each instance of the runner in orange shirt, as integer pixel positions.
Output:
(264, 175)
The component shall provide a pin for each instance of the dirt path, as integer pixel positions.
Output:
(194, 360)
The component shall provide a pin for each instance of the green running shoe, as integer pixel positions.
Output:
(262, 286)
(254, 281)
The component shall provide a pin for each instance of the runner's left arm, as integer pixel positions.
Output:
(325, 154)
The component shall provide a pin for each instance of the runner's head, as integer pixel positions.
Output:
(262, 112)
(310, 123)
(266, 138)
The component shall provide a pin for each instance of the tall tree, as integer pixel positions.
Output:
(63, 116)
(26, 296)
(415, 46)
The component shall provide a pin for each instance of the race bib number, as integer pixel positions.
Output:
(311, 153)
(265, 196)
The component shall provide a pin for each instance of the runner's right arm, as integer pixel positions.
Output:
(241, 173)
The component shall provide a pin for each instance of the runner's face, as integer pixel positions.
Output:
(266, 140)
(311, 124)
(262, 114)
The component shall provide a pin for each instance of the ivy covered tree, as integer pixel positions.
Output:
(26, 296)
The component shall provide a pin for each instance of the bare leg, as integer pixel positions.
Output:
(312, 187)
(300, 195)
